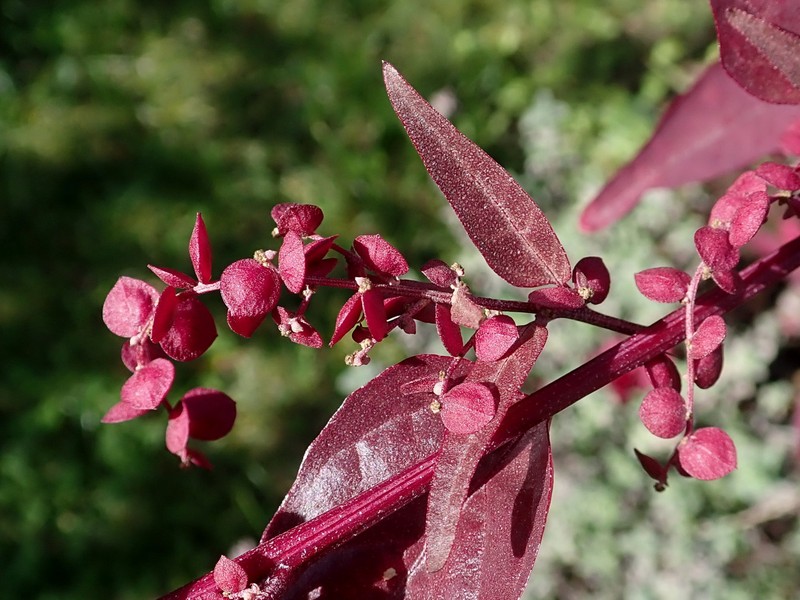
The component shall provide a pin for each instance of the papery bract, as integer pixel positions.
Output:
(148, 386)
(128, 306)
(707, 338)
(292, 262)
(663, 412)
(500, 218)
(468, 407)
(302, 219)
(715, 249)
(229, 576)
(780, 176)
(250, 291)
(707, 454)
(439, 273)
(592, 279)
(380, 256)
(192, 332)
(463, 310)
(495, 337)
(663, 284)
(297, 328)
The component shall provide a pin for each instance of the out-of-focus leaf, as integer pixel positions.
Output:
(760, 46)
(501, 219)
(713, 128)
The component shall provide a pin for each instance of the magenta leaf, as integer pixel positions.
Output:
(380, 256)
(495, 337)
(164, 316)
(297, 328)
(715, 249)
(375, 314)
(347, 318)
(713, 128)
(707, 338)
(499, 531)
(592, 279)
(468, 407)
(250, 291)
(122, 411)
(759, 45)
(663, 373)
(748, 219)
(200, 251)
(172, 277)
(439, 273)
(302, 219)
(653, 468)
(708, 369)
(229, 576)
(780, 176)
(148, 387)
(211, 413)
(662, 284)
(448, 331)
(557, 297)
(192, 332)
(460, 454)
(707, 454)
(663, 412)
(139, 354)
(292, 262)
(724, 209)
(374, 434)
(501, 219)
(128, 306)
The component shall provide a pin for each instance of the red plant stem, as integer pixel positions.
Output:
(340, 524)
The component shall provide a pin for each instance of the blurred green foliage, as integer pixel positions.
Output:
(122, 119)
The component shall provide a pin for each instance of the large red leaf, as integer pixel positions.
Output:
(500, 218)
(377, 432)
(760, 46)
(713, 128)
(499, 532)
(461, 453)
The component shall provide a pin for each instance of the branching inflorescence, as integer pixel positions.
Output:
(434, 479)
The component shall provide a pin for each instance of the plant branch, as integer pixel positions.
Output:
(340, 524)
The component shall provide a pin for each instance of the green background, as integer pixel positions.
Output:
(121, 119)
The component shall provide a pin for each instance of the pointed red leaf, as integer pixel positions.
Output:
(128, 306)
(374, 313)
(713, 128)
(229, 576)
(759, 45)
(663, 412)
(148, 386)
(707, 454)
(663, 284)
(164, 314)
(468, 407)
(448, 331)
(173, 278)
(380, 256)
(707, 338)
(317, 249)
(192, 332)
(123, 411)
(501, 219)
(495, 337)
(200, 251)
(653, 468)
(347, 318)
(292, 262)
